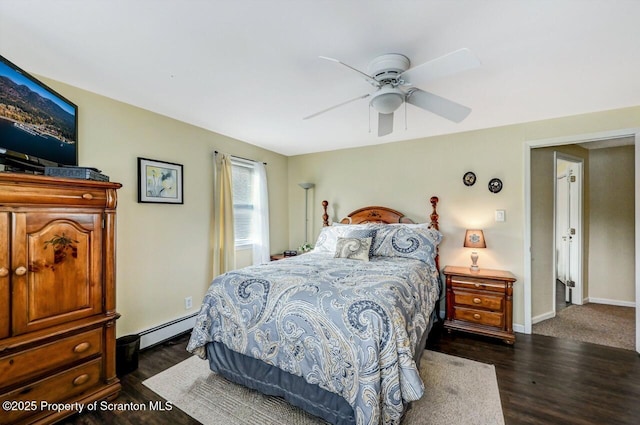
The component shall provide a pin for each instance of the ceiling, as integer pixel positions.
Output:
(249, 69)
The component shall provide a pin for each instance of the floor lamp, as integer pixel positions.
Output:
(306, 187)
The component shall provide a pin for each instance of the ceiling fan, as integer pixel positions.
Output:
(396, 83)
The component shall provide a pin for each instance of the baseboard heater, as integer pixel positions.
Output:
(166, 331)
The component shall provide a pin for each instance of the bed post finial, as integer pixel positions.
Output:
(325, 216)
(435, 225)
(434, 213)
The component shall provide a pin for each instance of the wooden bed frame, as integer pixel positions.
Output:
(375, 214)
(381, 215)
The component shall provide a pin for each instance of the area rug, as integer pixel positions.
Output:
(609, 325)
(458, 391)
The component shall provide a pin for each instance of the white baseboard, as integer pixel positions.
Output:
(611, 302)
(166, 331)
(518, 328)
(541, 317)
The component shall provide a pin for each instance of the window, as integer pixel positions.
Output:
(243, 201)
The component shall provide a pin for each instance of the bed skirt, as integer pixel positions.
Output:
(270, 380)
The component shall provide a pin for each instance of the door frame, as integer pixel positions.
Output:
(580, 138)
(579, 288)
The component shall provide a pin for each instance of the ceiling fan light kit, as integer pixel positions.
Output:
(387, 99)
(392, 76)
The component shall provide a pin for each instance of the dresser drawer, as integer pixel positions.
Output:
(45, 358)
(480, 317)
(479, 300)
(477, 284)
(17, 189)
(55, 389)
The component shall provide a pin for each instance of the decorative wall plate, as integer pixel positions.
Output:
(469, 178)
(495, 185)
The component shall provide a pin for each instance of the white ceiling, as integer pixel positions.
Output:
(250, 70)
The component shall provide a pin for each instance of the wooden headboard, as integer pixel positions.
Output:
(381, 215)
(384, 215)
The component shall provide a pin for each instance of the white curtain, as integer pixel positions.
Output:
(224, 249)
(260, 226)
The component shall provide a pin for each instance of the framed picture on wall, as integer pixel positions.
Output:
(159, 182)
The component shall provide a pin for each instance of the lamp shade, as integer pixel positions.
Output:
(474, 238)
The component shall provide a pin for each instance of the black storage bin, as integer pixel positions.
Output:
(127, 349)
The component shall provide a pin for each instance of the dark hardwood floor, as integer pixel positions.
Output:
(542, 380)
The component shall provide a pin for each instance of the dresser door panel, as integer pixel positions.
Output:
(57, 268)
(5, 274)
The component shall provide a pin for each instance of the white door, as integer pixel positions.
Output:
(569, 226)
(562, 224)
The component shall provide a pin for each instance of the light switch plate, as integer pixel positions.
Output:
(500, 215)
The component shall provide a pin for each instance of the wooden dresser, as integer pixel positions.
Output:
(480, 302)
(57, 295)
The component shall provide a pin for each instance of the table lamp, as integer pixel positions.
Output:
(474, 238)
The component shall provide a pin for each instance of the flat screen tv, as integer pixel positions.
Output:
(38, 127)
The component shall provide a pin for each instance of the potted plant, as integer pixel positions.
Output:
(305, 247)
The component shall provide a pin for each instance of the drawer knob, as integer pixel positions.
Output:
(87, 196)
(20, 271)
(476, 316)
(82, 347)
(4, 272)
(477, 300)
(477, 285)
(82, 379)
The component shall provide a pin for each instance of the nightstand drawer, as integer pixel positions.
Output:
(481, 317)
(477, 284)
(479, 300)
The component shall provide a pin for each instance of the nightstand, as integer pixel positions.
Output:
(276, 257)
(480, 302)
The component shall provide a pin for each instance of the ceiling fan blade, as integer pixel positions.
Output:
(438, 105)
(385, 124)
(368, 77)
(336, 106)
(451, 63)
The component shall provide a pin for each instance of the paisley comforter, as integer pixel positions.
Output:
(351, 327)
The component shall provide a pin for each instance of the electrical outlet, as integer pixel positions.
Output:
(188, 303)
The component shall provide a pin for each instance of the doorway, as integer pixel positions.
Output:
(531, 230)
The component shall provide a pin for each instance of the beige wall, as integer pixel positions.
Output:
(612, 242)
(404, 175)
(164, 251)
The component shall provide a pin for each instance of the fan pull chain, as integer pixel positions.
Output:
(405, 116)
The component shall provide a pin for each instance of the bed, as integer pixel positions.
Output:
(338, 331)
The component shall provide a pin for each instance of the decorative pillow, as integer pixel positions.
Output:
(415, 242)
(364, 233)
(329, 235)
(353, 248)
